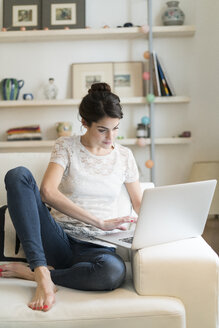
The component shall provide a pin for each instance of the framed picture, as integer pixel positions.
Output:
(59, 14)
(22, 13)
(128, 81)
(83, 75)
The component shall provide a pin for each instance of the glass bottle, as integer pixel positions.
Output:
(51, 89)
(141, 131)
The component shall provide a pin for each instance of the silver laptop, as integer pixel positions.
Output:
(168, 213)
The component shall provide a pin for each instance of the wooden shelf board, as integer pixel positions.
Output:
(93, 33)
(172, 100)
(72, 34)
(158, 141)
(49, 143)
(173, 31)
(26, 144)
(39, 103)
(76, 102)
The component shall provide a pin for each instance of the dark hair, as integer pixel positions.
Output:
(98, 103)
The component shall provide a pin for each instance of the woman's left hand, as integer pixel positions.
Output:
(117, 223)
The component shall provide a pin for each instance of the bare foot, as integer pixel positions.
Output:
(16, 270)
(44, 297)
(45, 292)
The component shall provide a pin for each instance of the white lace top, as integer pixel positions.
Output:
(92, 182)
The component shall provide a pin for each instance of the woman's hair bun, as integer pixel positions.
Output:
(99, 87)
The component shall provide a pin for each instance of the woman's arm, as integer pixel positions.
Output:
(51, 195)
(135, 194)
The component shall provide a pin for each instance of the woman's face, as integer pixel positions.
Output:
(103, 133)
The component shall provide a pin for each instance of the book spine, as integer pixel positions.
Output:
(156, 74)
(168, 82)
(155, 88)
(163, 81)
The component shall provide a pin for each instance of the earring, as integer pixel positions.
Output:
(82, 129)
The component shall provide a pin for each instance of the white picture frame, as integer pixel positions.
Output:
(25, 15)
(85, 74)
(128, 79)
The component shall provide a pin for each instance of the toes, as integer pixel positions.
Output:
(31, 306)
(38, 306)
(3, 267)
(48, 304)
(6, 274)
(46, 308)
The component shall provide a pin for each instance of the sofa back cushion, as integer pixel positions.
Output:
(35, 162)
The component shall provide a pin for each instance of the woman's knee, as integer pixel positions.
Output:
(114, 271)
(16, 174)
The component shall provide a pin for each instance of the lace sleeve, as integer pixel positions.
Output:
(60, 153)
(132, 173)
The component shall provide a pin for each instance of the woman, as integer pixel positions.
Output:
(81, 185)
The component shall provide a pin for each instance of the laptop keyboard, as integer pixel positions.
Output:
(127, 240)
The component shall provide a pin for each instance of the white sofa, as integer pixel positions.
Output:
(173, 285)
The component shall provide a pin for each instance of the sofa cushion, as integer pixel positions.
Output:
(120, 308)
(35, 162)
(10, 247)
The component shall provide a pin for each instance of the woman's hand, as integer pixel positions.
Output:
(117, 223)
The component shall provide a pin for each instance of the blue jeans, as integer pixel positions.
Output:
(78, 265)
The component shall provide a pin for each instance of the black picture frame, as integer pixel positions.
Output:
(18, 14)
(55, 16)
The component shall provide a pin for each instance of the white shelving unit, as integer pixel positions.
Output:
(69, 104)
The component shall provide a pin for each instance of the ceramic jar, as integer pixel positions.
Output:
(11, 88)
(141, 131)
(64, 129)
(173, 15)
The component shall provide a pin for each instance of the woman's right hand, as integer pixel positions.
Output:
(117, 223)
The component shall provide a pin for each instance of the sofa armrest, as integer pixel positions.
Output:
(186, 269)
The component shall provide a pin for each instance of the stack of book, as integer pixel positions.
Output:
(31, 132)
(161, 82)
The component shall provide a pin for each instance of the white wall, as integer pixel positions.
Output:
(192, 64)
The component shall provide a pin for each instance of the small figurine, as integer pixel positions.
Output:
(51, 89)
